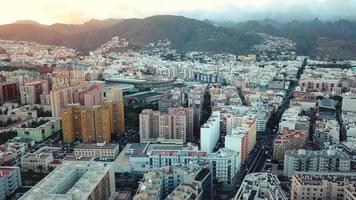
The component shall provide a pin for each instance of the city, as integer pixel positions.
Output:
(133, 115)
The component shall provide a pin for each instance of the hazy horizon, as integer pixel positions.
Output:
(80, 11)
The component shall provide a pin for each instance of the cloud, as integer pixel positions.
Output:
(78, 11)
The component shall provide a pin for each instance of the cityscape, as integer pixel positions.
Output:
(158, 103)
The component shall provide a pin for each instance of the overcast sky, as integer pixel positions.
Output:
(78, 11)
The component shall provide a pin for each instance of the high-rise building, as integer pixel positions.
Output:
(95, 124)
(323, 185)
(60, 98)
(117, 117)
(210, 132)
(241, 135)
(71, 120)
(9, 91)
(31, 92)
(315, 161)
(75, 180)
(238, 141)
(176, 124)
(89, 124)
(149, 124)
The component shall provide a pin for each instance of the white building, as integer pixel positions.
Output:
(138, 158)
(75, 180)
(210, 133)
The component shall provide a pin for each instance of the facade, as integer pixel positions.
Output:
(60, 98)
(36, 162)
(315, 161)
(238, 141)
(242, 137)
(97, 151)
(176, 124)
(10, 180)
(149, 124)
(260, 186)
(287, 141)
(90, 124)
(210, 132)
(74, 180)
(323, 185)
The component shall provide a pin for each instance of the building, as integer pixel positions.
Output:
(169, 179)
(260, 186)
(9, 91)
(238, 141)
(33, 162)
(89, 96)
(241, 138)
(287, 141)
(176, 124)
(39, 129)
(75, 180)
(60, 98)
(97, 151)
(150, 187)
(323, 185)
(95, 124)
(90, 124)
(138, 158)
(327, 108)
(114, 97)
(210, 133)
(10, 180)
(186, 192)
(31, 92)
(117, 117)
(149, 124)
(315, 161)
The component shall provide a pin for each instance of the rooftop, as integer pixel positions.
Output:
(70, 180)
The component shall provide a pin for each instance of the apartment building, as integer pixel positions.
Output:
(315, 161)
(290, 139)
(59, 99)
(210, 132)
(90, 124)
(176, 124)
(323, 185)
(75, 180)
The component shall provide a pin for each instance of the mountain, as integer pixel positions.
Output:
(186, 34)
(314, 38)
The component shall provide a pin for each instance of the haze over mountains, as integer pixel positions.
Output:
(335, 39)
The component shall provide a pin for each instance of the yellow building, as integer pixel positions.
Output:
(89, 124)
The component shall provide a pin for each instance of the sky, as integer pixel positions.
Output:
(79, 11)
